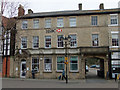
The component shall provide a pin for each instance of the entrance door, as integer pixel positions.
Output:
(23, 69)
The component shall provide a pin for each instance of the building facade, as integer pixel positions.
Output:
(0, 45)
(8, 46)
(40, 45)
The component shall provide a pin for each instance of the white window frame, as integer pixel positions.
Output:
(47, 41)
(115, 38)
(36, 69)
(115, 55)
(94, 20)
(112, 16)
(73, 40)
(24, 24)
(36, 23)
(24, 42)
(35, 41)
(47, 23)
(59, 41)
(74, 63)
(7, 41)
(95, 41)
(72, 21)
(49, 64)
(60, 63)
(60, 22)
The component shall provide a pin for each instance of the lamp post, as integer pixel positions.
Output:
(66, 39)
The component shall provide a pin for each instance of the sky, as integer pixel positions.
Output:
(60, 5)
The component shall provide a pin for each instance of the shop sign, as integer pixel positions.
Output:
(53, 30)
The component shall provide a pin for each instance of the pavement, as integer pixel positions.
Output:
(92, 81)
(54, 83)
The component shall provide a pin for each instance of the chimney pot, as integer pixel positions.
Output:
(101, 6)
(30, 11)
(80, 6)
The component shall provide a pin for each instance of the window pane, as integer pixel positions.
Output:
(35, 63)
(60, 63)
(94, 20)
(48, 41)
(115, 41)
(24, 42)
(74, 63)
(35, 23)
(114, 19)
(72, 22)
(73, 66)
(60, 66)
(60, 22)
(60, 41)
(48, 23)
(24, 24)
(47, 64)
(95, 41)
(35, 41)
(73, 42)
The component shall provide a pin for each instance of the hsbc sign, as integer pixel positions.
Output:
(53, 30)
(59, 30)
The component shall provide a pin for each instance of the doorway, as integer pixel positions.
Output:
(23, 69)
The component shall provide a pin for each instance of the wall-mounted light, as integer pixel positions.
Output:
(20, 51)
(41, 58)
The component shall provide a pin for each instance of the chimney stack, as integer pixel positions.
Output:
(80, 6)
(101, 6)
(30, 11)
(21, 10)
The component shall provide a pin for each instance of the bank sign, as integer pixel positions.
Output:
(53, 31)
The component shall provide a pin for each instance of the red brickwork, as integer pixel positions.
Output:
(4, 67)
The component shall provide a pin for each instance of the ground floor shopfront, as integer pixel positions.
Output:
(115, 63)
(49, 63)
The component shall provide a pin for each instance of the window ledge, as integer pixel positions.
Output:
(35, 48)
(74, 71)
(114, 46)
(48, 71)
(94, 25)
(36, 28)
(96, 46)
(47, 47)
(24, 28)
(72, 26)
(113, 25)
(73, 47)
(59, 71)
(47, 27)
(23, 48)
(59, 27)
(60, 47)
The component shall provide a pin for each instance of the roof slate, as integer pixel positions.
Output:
(70, 13)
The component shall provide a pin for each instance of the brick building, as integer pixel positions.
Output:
(40, 45)
(0, 45)
(8, 46)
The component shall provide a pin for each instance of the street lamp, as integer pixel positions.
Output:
(67, 40)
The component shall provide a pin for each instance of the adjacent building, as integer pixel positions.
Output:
(0, 45)
(8, 40)
(40, 45)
